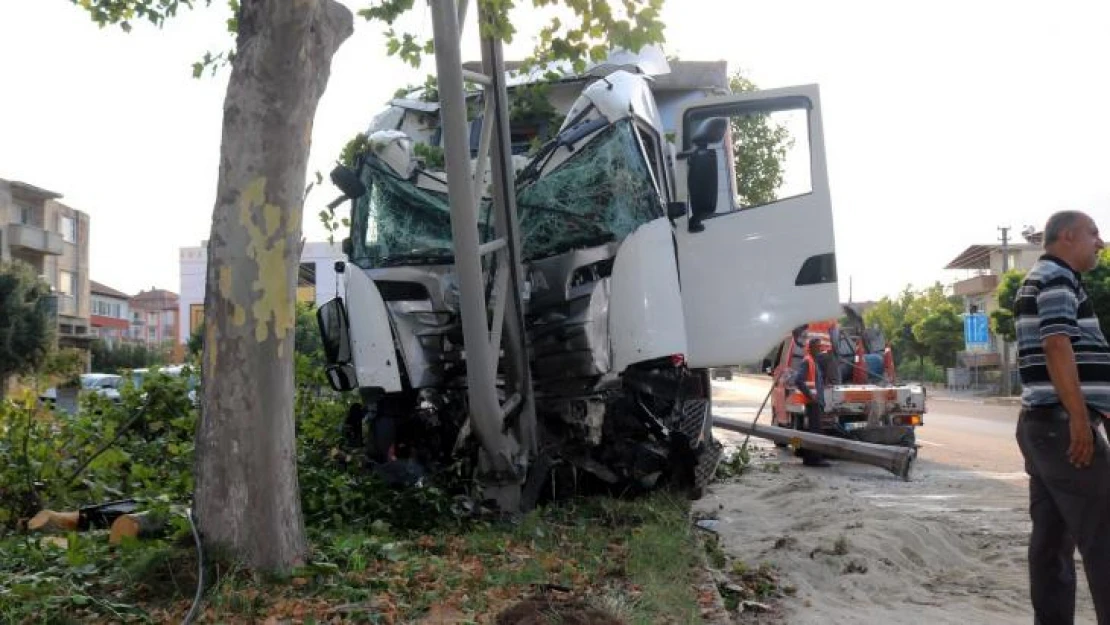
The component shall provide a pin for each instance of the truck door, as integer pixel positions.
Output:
(764, 261)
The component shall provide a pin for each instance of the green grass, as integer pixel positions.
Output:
(634, 559)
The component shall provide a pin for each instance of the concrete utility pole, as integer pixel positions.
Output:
(506, 429)
(1005, 344)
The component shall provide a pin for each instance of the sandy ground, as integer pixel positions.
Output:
(860, 545)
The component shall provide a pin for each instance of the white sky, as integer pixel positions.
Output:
(943, 119)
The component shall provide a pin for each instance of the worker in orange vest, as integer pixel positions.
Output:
(809, 391)
(859, 365)
(888, 365)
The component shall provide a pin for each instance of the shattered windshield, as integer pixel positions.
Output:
(399, 223)
(601, 193)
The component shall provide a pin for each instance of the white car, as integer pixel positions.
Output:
(104, 384)
(138, 375)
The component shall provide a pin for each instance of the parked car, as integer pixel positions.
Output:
(721, 373)
(139, 375)
(104, 384)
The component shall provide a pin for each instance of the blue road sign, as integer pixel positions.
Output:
(975, 330)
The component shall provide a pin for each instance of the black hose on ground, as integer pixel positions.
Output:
(200, 569)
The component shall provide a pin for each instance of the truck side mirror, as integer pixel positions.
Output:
(767, 368)
(701, 171)
(348, 182)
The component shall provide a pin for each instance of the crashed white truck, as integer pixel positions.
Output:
(642, 268)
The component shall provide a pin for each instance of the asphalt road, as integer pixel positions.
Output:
(971, 435)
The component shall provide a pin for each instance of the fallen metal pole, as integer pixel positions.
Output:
(897, 460)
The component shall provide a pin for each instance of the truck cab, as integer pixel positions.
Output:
(649, 259)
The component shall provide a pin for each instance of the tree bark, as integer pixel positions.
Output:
(247, 497)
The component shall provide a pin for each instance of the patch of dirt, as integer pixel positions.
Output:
(858, 545)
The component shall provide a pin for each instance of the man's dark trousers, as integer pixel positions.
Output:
(1069, 508)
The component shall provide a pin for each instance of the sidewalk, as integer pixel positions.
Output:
(977, 396)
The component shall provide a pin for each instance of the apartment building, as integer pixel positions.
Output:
(154, 317)
(981, 267)
(37, 229)
(111, 314)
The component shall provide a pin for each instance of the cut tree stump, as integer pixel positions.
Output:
(48, 520)
(139, 525)
(97, 516)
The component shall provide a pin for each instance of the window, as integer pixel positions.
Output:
(196, 317)
(68, 227)
(67, 283)
(26, 214)
(106, 309)
(765, 155)
(167, 318)
(306, 283)
(67, 292)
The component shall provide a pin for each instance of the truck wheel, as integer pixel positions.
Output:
(705, 469)
(698, 419)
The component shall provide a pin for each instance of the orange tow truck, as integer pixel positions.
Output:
(863, 399)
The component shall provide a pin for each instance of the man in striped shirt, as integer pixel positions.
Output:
(1064, 361)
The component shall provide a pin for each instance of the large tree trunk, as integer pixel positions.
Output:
(247, 499)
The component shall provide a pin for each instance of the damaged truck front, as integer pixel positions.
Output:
(635, 286)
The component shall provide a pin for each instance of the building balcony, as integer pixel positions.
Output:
(978, 285)
(67, 305)
(74, 329)
(30, 238)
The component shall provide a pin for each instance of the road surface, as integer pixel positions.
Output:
(946, 547)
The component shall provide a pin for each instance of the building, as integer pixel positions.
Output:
(981, 267)
(316, 281)
(154, 318)
(37, 229)
(111, 314)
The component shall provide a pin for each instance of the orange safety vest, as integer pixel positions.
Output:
(859, 369)
(797, 396)
(822, 330)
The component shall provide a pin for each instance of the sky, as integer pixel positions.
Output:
(943, 120)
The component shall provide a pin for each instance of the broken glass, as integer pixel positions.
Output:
(601, 193)
(400, 223)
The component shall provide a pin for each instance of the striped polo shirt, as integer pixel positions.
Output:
(1051, 301)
